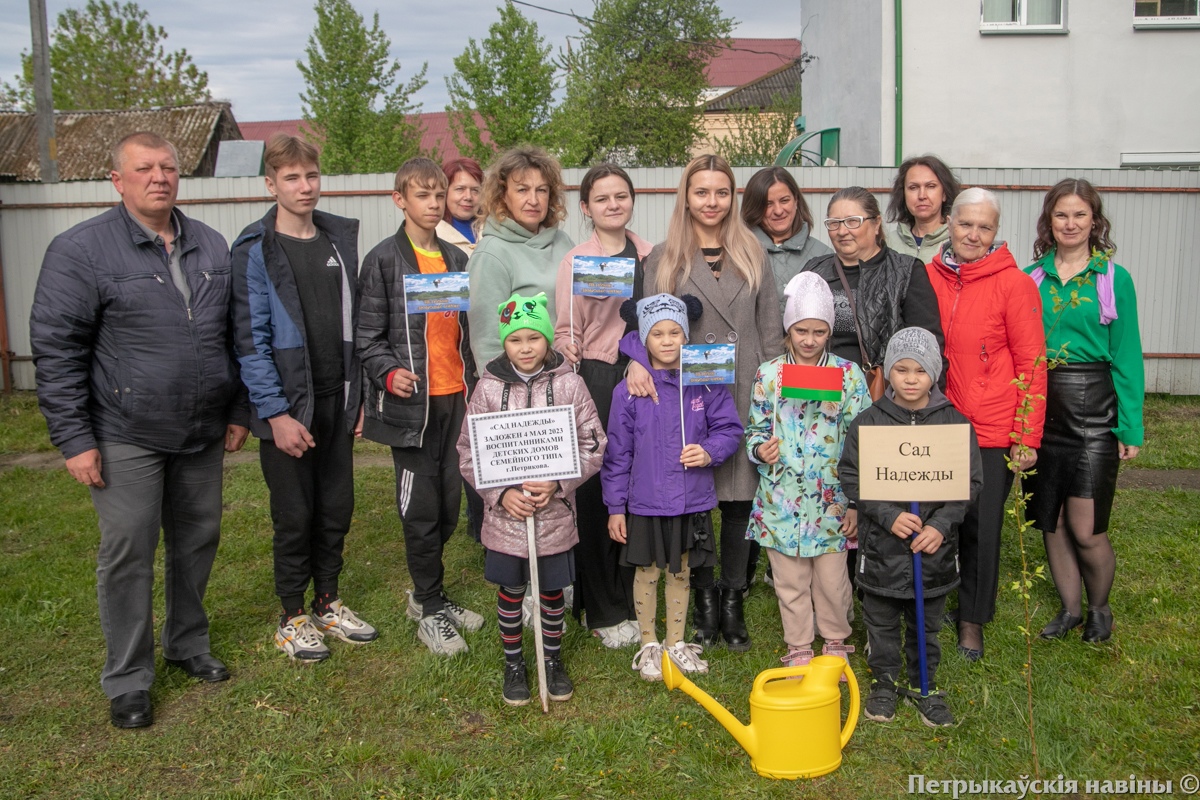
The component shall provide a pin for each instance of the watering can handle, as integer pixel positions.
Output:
(776, 674)
(852, 713)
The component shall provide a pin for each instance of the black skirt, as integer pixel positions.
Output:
(662, 541)
(554, 572)
(1079, 455)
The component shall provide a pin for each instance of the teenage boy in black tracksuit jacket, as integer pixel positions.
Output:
(418, 370)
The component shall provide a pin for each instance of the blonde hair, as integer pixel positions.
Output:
(514, 162)
(741, 249)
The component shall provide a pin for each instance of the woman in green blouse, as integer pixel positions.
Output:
(1093, 401)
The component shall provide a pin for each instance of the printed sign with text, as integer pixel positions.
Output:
(707, 363)
(914, 463)
(437, 291)
(602, 276)
(528, 444)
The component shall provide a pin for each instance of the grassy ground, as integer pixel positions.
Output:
(389, 720)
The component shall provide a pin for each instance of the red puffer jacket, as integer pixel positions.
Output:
(992, 316)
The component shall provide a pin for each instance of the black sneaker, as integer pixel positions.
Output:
(932, 709)
(881, 703)
(516, 683)
(558, 685)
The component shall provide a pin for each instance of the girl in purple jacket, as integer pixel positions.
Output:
(657, 479)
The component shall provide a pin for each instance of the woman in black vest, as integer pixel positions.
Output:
(876, 290)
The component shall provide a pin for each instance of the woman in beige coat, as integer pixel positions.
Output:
(710, 253)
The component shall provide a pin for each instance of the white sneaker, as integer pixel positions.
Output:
(648, 661)
(687, 657)
(438, 633)
(301, 640)
(614, 637)
(342, 623)
(462, 618)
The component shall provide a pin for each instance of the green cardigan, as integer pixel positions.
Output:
(1076, 335)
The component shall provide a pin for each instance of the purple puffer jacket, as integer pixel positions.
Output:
(642, 474)
(555, 524)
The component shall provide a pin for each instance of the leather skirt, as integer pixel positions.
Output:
(1078, 456)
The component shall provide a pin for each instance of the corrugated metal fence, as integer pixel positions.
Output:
(1155, 216)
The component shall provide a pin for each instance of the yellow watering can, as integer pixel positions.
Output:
(795, 728)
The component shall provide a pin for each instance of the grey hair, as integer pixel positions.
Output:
(976, 196)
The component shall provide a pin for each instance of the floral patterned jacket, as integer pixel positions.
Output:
(799, 506)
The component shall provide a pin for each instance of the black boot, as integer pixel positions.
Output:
(1098, 627)
(733, 621)
(704, 615)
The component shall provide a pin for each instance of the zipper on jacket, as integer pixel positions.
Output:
(411, 363)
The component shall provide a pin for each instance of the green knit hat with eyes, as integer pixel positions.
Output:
(519, 312)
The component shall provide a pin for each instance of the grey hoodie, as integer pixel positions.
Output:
(789, 257)
(509, 259)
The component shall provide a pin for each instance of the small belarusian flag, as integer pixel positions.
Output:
(801, 382)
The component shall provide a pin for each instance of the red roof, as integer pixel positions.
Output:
(436, 125)
(745, 60)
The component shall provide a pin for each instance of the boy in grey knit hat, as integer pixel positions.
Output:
(889, 533)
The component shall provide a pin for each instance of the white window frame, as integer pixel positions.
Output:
(1158, 23)
(1020, 27)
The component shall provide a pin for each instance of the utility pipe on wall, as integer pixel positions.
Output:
(899, 25)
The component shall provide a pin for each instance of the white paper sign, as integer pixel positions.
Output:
(527, 444)
(914, 463)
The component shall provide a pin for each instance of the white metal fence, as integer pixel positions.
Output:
(1155, 216)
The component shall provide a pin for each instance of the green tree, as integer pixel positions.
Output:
(758, 134)
(635, 79)
(508, 80)
(358, 113)
(109, 56)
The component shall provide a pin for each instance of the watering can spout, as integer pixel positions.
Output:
(673, 678)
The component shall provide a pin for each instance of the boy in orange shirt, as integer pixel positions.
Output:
(418, 371)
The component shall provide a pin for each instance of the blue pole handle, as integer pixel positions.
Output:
(919, 601)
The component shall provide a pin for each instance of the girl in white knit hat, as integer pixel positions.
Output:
(801, 406)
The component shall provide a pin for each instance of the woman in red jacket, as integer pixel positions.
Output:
(992, 317)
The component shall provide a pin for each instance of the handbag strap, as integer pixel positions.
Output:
(867, 366)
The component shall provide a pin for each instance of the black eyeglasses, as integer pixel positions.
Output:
(851, 223)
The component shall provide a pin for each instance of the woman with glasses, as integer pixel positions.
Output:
(876, 290)
(993, 319)
(710, 253)
(774, 209)
(1093, 402)
(919, 209)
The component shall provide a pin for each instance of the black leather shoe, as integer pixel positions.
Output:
(1098, 627)
(704, 615)
(1061, 625)
(733, 621)
(131, 710)
(204, 667)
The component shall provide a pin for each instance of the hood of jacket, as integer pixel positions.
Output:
(501, 369)
(998, 259)
(903, 416)
(509, 231)
(793, 244)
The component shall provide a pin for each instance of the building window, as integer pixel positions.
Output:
(1166, 14)
(1023, 16)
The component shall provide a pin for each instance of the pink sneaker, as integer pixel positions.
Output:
(797, 656)
(838, 647)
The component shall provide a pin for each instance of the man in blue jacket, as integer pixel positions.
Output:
(136, 379)
(295, 275)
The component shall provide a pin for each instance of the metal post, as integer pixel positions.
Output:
(42, 93)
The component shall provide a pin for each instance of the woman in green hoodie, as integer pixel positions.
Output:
(521, 245)
(922, 194)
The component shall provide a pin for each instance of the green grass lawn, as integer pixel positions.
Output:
(389, 720)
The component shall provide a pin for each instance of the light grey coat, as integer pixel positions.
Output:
(789, 257)
(731, 307)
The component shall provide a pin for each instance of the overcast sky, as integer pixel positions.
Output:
(249, 49)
